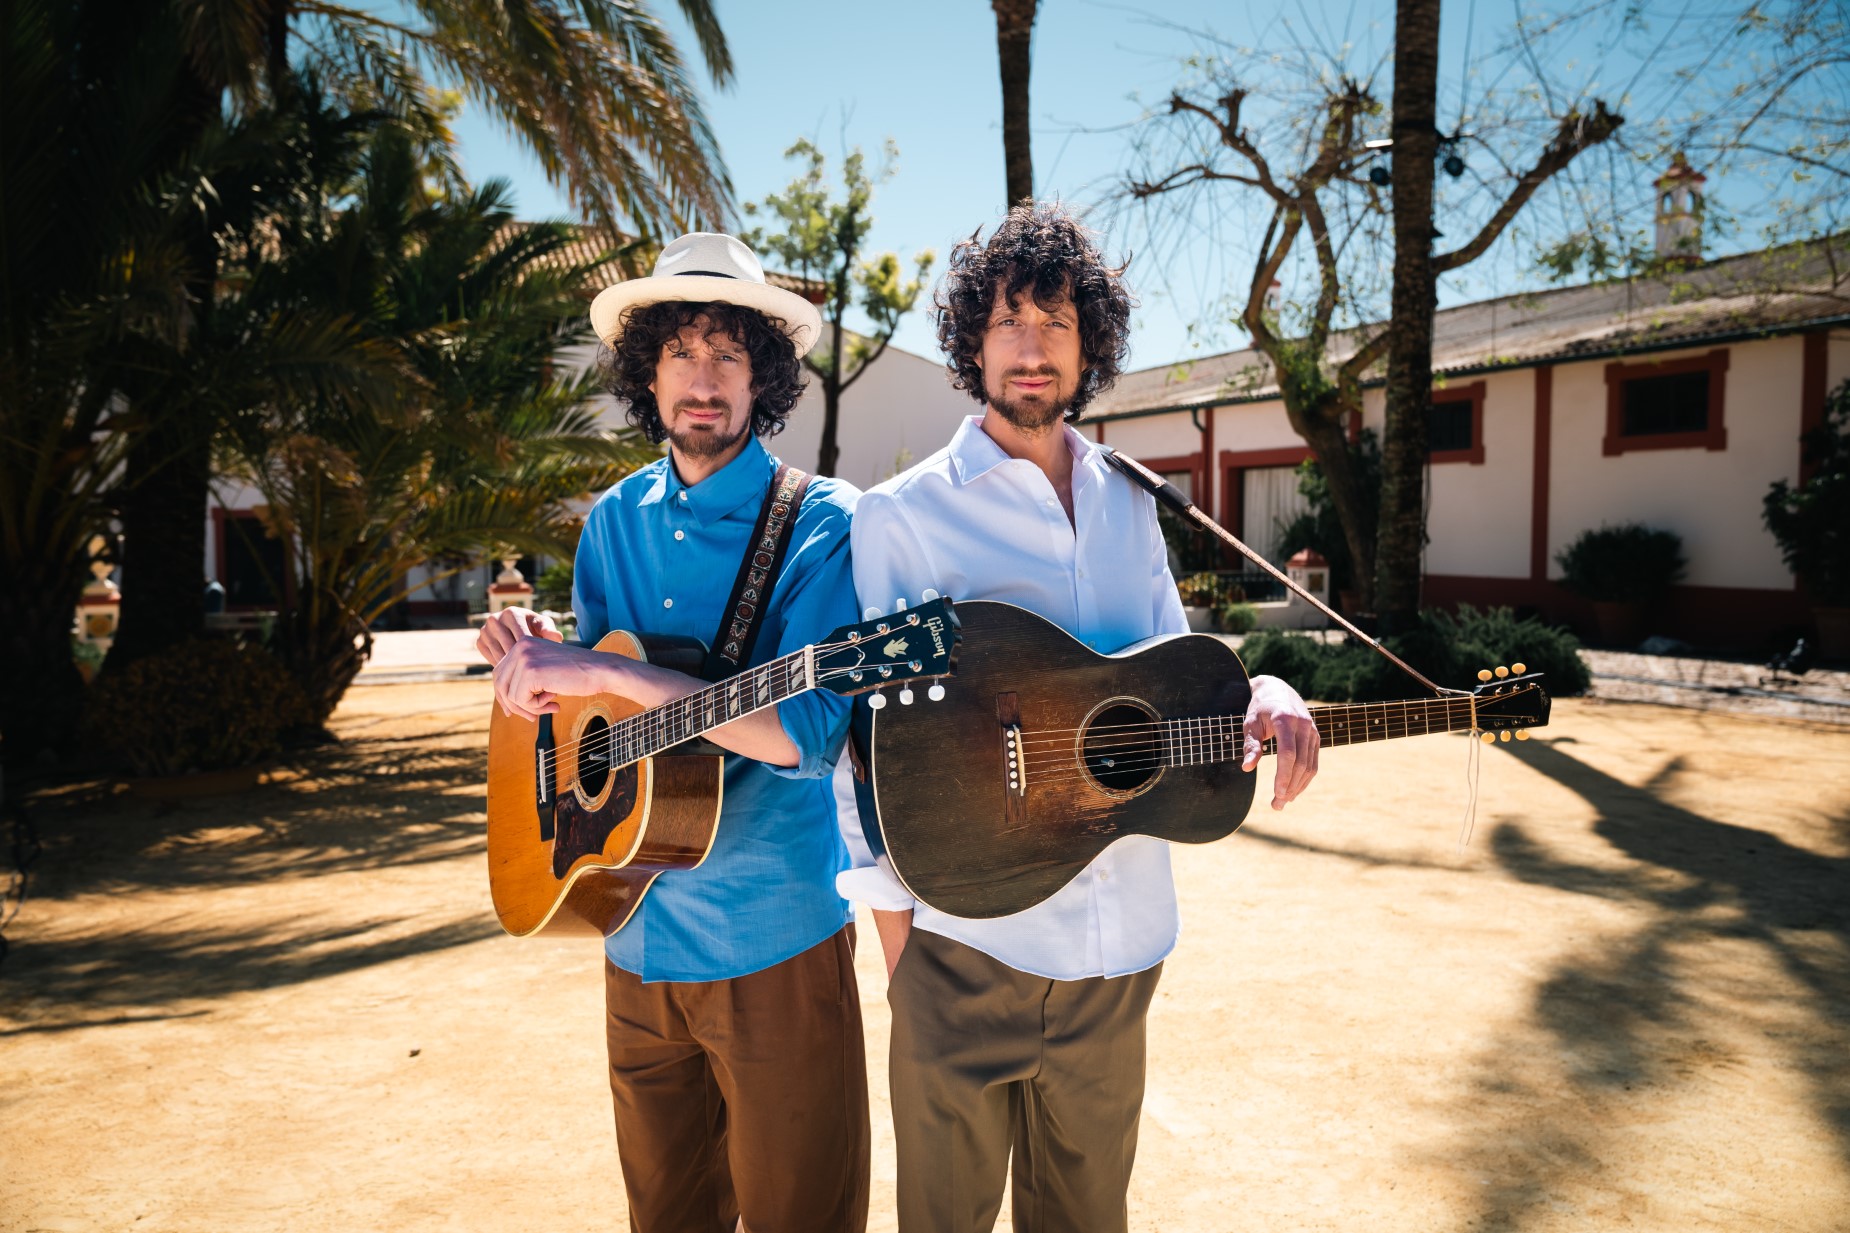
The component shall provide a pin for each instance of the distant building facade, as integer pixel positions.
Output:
(1672, 402)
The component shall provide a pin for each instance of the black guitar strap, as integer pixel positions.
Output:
(751, 591)
(1171, 496)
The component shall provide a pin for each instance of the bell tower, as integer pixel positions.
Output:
(1679, 213)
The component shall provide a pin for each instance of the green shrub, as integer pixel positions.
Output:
(1812, 522)
(1624, 564)
(1449, 649)
(204, 705)
(1236, 616)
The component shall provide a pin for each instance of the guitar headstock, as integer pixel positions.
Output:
(910, 644)
(1509, 702)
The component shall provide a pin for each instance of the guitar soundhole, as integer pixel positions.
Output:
(593, 757)
(1122, 747)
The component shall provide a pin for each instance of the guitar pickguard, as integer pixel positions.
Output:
(583, 831)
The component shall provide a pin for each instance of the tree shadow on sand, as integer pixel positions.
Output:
(1630, 1021)
(371, 803)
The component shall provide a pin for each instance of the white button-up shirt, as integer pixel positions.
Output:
(972, 523)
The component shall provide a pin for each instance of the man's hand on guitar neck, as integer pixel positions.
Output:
(533, 671)
(1276, 710)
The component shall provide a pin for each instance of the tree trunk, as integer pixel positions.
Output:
(1329, 445)
(830, 453)
(1401, 538)
(163, 538)
(169, 471)
(41, 693)
(1014, 32)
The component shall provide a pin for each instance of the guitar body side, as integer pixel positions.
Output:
(655, 816)
(940, 772)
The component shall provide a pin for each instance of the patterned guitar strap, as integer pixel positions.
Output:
(751, 591)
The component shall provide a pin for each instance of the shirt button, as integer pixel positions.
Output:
(667, 603)
(684, 498)
(680, 534)
(1104, 875)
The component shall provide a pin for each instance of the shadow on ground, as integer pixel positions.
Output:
(369, 803)
(1634, 1019)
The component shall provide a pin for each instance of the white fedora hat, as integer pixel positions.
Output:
(704, 267)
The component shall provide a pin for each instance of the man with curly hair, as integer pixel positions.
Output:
(733, 1021)
(1024, 1034)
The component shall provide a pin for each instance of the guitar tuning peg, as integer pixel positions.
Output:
(1483, 674)
(877, 701)
(1519, 669)
(927, 595)
(899, 605)
(1502, 671)
(1489, 738)
(905, 695)
(936, 692)
(1522, 734)
(870, 613)
(1504, 736)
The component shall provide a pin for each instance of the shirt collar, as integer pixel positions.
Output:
(739, 481)
(975, 453)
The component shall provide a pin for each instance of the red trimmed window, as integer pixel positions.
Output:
(1455, 427)
(1675, 405)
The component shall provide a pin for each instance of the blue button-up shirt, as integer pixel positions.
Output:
(661, 557)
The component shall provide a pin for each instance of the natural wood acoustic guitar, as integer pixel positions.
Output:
(1047, 751)
(588, 806)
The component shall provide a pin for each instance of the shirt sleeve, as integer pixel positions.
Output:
(1167, 616)
(890, 563)
(819, 598)
(590, 603)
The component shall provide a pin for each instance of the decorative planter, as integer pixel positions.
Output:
(1833, 632)
(1619, 623)
(195, 784)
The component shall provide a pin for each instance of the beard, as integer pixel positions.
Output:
(705, 441)
(1034, 417)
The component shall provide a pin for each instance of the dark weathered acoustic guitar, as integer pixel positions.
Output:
(588, 806)
(1047, 751)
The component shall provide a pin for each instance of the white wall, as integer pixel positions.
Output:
(1478, 517)
(1709, 497)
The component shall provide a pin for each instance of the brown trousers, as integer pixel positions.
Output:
(742, 1097)
(986, 1058)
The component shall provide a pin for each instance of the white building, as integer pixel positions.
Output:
(1673, 402)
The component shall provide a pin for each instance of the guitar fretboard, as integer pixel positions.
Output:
(1220, 738)
(663, 727)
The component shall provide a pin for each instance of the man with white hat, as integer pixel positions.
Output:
(732, 1017)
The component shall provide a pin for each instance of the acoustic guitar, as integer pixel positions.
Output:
(588, 806)
(1047, 751)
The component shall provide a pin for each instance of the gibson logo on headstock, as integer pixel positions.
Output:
(935, 627)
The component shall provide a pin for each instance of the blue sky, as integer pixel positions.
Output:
(846, 74)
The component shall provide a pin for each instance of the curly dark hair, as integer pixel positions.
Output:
(628, 364)
(1043, 250)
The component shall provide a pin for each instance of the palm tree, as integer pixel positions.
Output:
(1014, 40)
(479, 445)
(121, 184)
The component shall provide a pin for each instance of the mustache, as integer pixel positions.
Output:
(703, 404)
(1032, 374)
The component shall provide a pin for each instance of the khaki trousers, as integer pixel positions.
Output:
(742, 1097)
(986, 1059)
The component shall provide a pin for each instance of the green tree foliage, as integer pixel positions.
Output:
(480, 441)
(812, 234)
(1812, 520)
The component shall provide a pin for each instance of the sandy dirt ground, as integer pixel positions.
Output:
(1623, 1006)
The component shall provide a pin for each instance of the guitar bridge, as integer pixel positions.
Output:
(545, 778)
(1014, 758)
